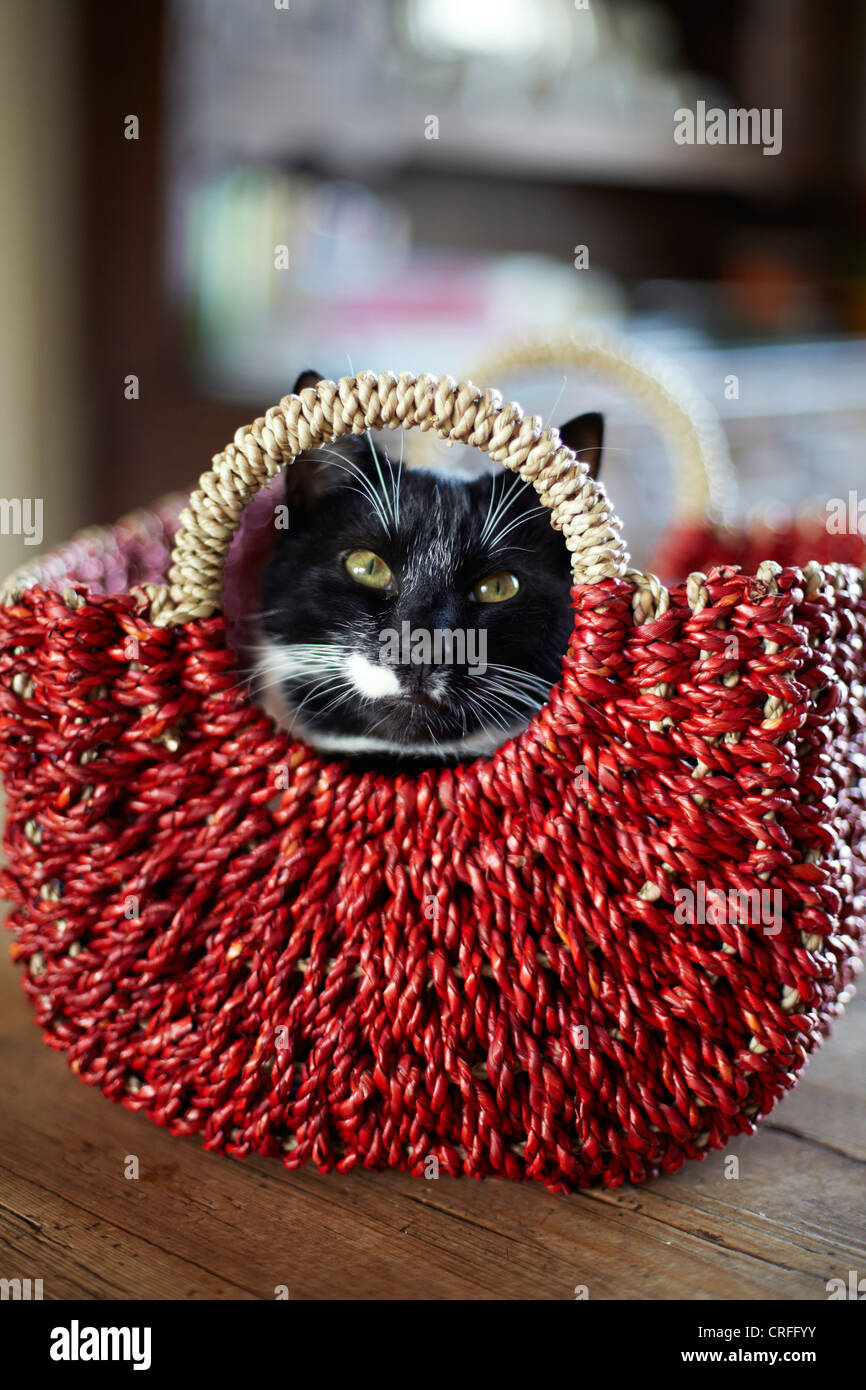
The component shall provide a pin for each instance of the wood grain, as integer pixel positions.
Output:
(196, 1225)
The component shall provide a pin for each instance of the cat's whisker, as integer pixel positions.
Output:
(517, 681)
(489, 707)
(389, 501)
(516, 521)
(484, 712)
(349, 689)
(522, 549)
(255, 686)
(501, 721)
(367, 498)
(519, 709)
(502, 696)
(368, 489)
(247, 683)
(515, 697)
(489, 534)
(514, 675)
(506, 499)
(289, 664)
(381, 475)
(489, 507)
(522, 692)
(559, 394)
(325, 685)
(513, 670)
(308, 647)
(301, 661)
(527, 689)
(250, 677)
(400, 472)
(265, 613)
(253, 679)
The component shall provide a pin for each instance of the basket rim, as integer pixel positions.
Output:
(651, 600)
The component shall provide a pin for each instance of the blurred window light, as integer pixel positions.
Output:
(518, 29)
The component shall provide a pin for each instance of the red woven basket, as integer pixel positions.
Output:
(544, 964)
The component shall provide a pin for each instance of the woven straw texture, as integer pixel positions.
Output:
(486, 965)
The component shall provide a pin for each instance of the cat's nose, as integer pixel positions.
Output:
(427, 682)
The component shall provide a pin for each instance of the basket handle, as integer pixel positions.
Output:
(460, 412)
(705, 480)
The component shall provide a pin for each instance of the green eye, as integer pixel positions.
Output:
(369, 569)
(496, 588)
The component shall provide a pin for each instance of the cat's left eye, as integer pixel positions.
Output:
(369, 569)
(496, 588)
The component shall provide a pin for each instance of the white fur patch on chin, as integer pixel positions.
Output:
(370, 679)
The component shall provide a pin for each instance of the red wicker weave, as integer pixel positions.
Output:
(481, 966)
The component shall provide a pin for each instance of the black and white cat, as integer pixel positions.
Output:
(409, 615)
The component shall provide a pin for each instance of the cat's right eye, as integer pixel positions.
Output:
(369, 569)
(496, 588)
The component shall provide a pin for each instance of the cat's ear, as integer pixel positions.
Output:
(584, 435)
(307, 378)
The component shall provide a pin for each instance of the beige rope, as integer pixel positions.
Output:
(460, 412)
(705, 481)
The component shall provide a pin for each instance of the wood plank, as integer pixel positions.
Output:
(80, 1255)
(828, 1109)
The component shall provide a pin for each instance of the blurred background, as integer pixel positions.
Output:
(203, 197)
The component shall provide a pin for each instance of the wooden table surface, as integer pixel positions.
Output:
(197, 1225)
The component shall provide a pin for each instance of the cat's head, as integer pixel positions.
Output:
(408, 613)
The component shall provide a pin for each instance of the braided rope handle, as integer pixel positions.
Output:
(705, 480)
(455, 411)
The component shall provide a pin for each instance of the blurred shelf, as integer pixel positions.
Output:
(531, 146)
(346, 90)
